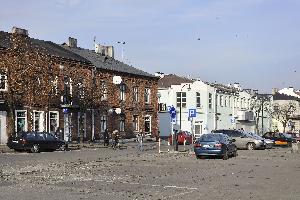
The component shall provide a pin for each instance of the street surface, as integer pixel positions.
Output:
(104, 173)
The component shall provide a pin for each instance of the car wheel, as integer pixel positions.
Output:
(63, 147)
(35, 148)
(250, 146)
(234, 154)
(225, 156)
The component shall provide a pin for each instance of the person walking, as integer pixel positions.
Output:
(115, 138)
(140, 137)
(106, 138)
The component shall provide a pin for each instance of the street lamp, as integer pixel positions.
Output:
(122, 49)
(189, 88)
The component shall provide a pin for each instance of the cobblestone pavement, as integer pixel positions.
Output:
(104, 173)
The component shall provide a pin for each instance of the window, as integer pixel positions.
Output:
(221, 100)
(103, 90)
(40, 136)
(3, 81)
(181, 99)
(54, 83)
(122, 92)
(147, 126)
(68, 88)
(209, 100)
(135, 123)
(38, 121)
(122, 123)
(198, 100)
(225, 101)
(53, 121)
(229, 101)
(147, 95)
(80, 89)
(21, 120)
(103, 123)
(135, 94)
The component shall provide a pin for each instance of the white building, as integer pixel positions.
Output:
(217, 106)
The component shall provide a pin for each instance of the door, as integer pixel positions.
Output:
(3, 134)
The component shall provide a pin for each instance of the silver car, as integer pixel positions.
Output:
(268, 143)
(243, 140)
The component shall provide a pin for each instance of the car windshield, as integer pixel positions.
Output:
(210, 137)
(255, 136)
(287, 135)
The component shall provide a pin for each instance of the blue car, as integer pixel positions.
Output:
(215, 144)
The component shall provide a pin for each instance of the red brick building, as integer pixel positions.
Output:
(79, 92)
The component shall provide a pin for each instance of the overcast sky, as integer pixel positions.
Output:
(253, 42)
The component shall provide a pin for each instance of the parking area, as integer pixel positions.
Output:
(104, 173)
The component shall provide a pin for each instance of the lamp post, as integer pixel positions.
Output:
(119, 42)
(189, 88)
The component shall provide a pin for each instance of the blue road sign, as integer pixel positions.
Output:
(192, 112)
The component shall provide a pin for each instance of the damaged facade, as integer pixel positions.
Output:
(77, 92)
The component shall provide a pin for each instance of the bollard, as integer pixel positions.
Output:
(295, 147)
(184, 142)
(168, 146)
(159, 146)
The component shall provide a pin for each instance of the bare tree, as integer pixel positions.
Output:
(284, 112)
(260, 105)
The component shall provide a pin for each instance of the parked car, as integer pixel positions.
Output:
(280, 139)
(296, 136)
(181, 136)
(36, 142)
(268, 142)
(242, 139)
(215, 144)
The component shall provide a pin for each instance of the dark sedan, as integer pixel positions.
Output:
(215, 144)
(280, 139)
(35, 142)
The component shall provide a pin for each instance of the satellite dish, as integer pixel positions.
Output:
(117, 80)
(118, 111)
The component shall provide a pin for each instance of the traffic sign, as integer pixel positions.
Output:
(192, 112)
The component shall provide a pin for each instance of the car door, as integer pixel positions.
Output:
(41, 140)
(229, 144)
(52, 142)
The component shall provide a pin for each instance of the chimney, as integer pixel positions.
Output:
(72, 42)
(104, 50)
(159, 74)
(274, 90)
(20, 31)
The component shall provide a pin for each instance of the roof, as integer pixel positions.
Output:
(45, 47)
(172, 79)
(107, 63)
(278, 96)
(86, 56)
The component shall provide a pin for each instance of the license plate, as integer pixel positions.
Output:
(15, 141)
(206, 146)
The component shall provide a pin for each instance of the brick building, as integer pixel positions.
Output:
(79, 92)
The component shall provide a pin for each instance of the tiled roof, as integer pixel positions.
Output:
(45, 47)
(172, 79)
(278, 96)
(4, 40)
(105, 62)
(78, 54)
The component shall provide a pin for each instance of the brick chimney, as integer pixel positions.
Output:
(72, 42)
(20, 31)
(104, 50)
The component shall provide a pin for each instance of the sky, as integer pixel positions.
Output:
(253, 42)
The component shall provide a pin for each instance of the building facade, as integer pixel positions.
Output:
(217, 106)
(75, 92)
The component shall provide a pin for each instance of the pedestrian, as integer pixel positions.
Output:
(140, 137)
(106, 138)
(115, 138)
